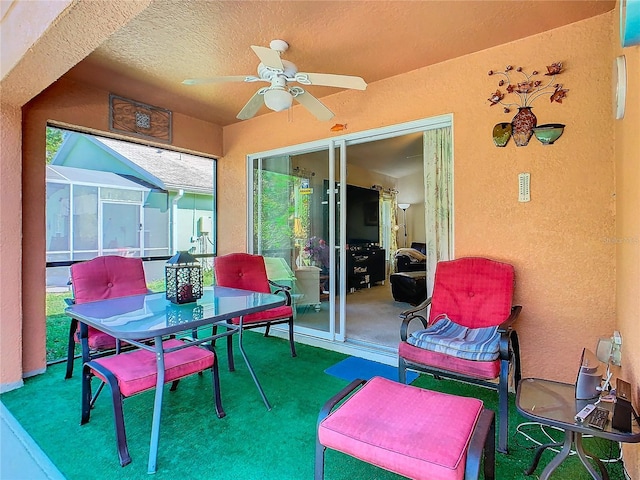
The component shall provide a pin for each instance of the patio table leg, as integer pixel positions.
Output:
(157, 407)
(584, 458)
(253, 374)
(559, 458)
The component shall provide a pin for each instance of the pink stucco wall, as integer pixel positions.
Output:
(10, 251)
(627, 157)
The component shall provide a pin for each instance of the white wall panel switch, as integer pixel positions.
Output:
(524, 187)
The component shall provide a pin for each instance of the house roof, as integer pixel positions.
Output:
(82, 176)
(175, 170)
(155, 167)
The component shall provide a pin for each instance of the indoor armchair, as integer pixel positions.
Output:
(412, 259)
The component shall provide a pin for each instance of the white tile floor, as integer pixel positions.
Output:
(20, 456)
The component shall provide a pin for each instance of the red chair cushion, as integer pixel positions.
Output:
(242, 270)
(472, 291)
(417, 433)
(99, 340)
(107, 277)
(485, 370)
(136, 371)
(248, 272)
(285, 311)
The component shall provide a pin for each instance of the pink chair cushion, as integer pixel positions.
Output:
(107, 277)
(277, 313)
(472, 291)
(242, 270)
(248, 272)
(99, 340)
(417, 433)
(136, 371)
(485, 370)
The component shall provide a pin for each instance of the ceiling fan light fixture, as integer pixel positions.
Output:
(278, 99)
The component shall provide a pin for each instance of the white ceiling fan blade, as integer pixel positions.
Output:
(236, 78)
(311, 103)
(270, 58)
(331, 80)
(252, 106)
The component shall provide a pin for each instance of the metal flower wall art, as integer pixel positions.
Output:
(518, 89)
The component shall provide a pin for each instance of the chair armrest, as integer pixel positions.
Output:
(408, 315)
(508, 323)
(412, 311)
(506, 330)
(286, 289)
(333, 401)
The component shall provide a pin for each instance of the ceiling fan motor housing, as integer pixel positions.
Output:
(279, 45)
(267, 73)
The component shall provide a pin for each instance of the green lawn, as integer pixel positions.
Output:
(57, 326)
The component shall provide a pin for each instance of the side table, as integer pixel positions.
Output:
(554, 404)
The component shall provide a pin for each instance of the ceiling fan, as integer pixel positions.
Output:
(280, 73)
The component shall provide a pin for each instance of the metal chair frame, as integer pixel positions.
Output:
(509, 356)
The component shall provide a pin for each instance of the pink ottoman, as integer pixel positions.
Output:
(407, 430)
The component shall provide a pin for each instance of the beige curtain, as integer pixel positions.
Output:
(391, 197)
(438, 198)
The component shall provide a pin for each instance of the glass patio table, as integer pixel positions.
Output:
(554, 404)
(138, 318)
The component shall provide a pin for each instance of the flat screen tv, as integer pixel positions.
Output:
(363, 222)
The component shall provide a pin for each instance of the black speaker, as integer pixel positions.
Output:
(622, 411)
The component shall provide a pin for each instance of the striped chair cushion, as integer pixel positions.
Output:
(446, 336)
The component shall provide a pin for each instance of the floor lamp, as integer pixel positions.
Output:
(404, 207)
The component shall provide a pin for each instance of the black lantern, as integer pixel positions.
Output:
(183, 275)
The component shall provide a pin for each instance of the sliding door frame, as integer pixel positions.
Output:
(330, 144)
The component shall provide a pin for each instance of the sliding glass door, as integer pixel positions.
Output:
(332, 237)
(294, 220)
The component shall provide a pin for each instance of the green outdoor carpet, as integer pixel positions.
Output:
(250, 442)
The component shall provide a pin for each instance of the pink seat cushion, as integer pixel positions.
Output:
(485, 370)
(472, 291)
(277, 313)
(99, 340)
(417, 433)
(136, 371)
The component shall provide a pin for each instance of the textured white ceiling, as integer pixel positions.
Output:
(173, 40)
